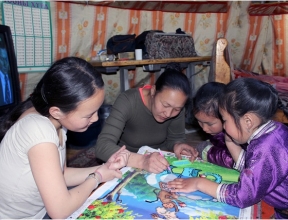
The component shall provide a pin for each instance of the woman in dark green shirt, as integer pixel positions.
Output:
(151, 115)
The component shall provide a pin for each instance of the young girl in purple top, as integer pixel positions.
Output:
(206, 111)
(247, 107)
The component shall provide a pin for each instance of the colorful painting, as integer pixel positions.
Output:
(143, 195)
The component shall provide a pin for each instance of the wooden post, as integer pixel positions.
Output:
(222, 69)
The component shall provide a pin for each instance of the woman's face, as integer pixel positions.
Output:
(167, 104)
(85, 114)
(209, 124)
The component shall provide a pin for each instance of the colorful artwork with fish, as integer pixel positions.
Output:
(143, 195)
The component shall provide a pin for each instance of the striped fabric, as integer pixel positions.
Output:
(257, 43)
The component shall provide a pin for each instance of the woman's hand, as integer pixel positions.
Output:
(107, 173)
(154, 163)
(185, 149)
(119, 159)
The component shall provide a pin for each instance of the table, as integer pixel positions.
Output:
(145, 199)
(149, 65)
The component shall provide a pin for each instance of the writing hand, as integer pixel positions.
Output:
(185, 149)
(154, 163)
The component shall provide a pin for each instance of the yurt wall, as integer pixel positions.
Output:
(256, 43)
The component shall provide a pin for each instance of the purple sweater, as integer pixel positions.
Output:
(219, 153)
(264, 171)
(215, 151)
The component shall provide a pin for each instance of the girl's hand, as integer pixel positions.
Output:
(108, 174)
(183, 185)
(193, 184)
(234, 148)
(185, 149)
(119, 159)
(154, 163)
(228, 139)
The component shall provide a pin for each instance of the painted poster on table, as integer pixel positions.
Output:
(143, 195)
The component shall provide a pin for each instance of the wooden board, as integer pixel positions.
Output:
(149, 61)
(279, 116)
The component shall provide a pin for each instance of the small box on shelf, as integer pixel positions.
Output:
(126, 56)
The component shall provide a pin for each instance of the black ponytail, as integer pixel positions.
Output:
(66, 83)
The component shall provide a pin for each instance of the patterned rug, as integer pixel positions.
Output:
(84, 158)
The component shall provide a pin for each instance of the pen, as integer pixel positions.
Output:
(160, 152)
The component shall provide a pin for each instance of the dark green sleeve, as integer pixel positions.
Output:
(108, 138)
(176, 132)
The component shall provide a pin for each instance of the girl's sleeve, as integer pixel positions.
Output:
(202, 149)
(219, 155)
(33, 130)
(240, 164)
(264, 171)
(216, 151)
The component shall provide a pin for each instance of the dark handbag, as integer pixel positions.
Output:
(140, 42)
(165, 45)
(121, 43)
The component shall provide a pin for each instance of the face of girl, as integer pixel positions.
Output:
(167, 104)
(209, 124)
(85, 114)
(232, 130)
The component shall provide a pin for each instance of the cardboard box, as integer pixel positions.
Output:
(126, 56)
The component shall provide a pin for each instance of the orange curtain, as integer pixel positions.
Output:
(256, 43)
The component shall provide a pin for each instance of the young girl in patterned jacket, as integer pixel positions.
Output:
(206, 111)
(247, 107)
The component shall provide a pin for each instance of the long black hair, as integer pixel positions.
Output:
(245, 95)
(207, 98)
(66, 83)
(174, 79)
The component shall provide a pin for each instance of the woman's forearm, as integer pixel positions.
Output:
(136, 160)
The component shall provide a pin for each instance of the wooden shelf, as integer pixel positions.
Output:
(148, 61)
